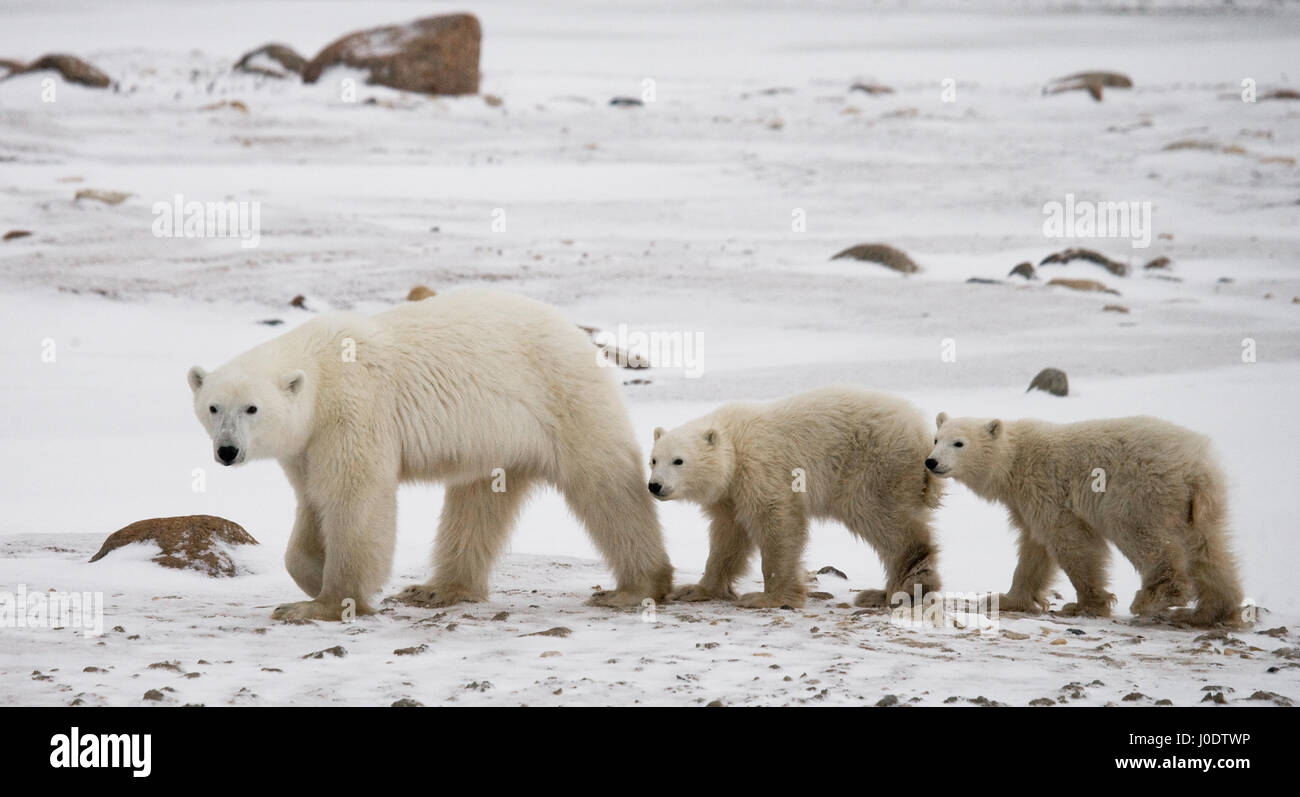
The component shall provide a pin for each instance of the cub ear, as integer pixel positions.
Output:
(711, 437)
(659, 432)
(196, 377)
(941, 419)
(994, 427)
(293, 381)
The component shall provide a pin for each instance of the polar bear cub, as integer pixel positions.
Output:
(763, 471)
(1148, 486)
(491, 393)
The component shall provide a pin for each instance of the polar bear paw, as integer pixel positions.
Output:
(700, 592)
(430, 596)
(618, 599)
(307, 610)
(766, 600)
(871, 598)
(1027, 604)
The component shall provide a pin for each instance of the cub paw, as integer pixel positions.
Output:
(871, 599)
(766, 600)
(1022, 603)
(617, 599)
(1085, 610)
(699, 592)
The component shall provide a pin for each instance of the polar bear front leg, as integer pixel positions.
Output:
(730, 547)
(1035, 570)
(305, 556)
(1083, 555)
(781, 542)
(358, 528)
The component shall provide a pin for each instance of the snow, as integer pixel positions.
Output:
(675, 216)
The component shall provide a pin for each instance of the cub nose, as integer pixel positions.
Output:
(655, 487)
(932, 463)
(227, 454)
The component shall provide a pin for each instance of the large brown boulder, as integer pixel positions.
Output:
(73, 70)
(190, 542)
(434, 55)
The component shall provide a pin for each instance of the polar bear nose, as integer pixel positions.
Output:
(655, 487)
(932, 463)
(227, 454)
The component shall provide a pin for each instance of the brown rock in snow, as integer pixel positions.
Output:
(189, 542)
(884, 254)
(433, 55)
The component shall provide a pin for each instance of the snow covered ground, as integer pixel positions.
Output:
(677, 217)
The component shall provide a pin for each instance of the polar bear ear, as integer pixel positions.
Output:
(196, 377)
(711, 437)
(293, 381)
(941, 419)
(659, 432)
(994, 427)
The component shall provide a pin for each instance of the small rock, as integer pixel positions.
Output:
(1159, 262)
(885, 255)
(272, 60)
(1075, 631)
(412, 651)
(16, 234)
(557, 631)
(1078, 253)
(1215, 697)
(1042, 701)
(419, 293)
(828, 570)
(1271, 696)
(874, 89)
(1051, 380)
(626, 102)
(714, 704)
(887, 700)
(1164, 701)
(406, 702)
(337, 652)
(1132, 696)
(107, 197)
(1092, 82)
(1082, 285)
(299, 301)
(1025, 269)
(154, 694)
(1115, 308)
(71, 68)
(499, 616)
(1278, 633)
(493, 101)
(982, 281)
(234, 105)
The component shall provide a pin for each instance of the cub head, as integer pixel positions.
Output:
(964, 447)
(691, 462)
(250, 416)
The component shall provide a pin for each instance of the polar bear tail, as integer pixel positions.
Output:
(1213, 568)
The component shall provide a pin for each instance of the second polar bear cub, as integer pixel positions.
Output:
(1144, 484)
(763, 471)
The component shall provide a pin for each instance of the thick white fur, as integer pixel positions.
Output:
(861, 455)
(1163, 505)
(445, 389)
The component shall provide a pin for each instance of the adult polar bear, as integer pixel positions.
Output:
(451, 388)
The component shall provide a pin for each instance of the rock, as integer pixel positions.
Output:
(107, 197)
(1025, 269)
(70, 68)
(1159, 262)
(433, 55)
(885, 255)
(887, 700)
(189, 542)
(1277, 633)
(420, 292)
(154, 694)
(406, 702)
(9, 66)
(15, 234)
(1082, 285)
(874, 89)
(1114, 308)
(559, 631)
(1042, 701)
(337, 652)
(1051, 380)
(626, 102)
(1078, 253)
(234, 105)
(414, 651)
(713, 704)
(831, 571)
(1215, 697)
(1092, 82)
(499, 616)
(272, 60)
(493, 101)
(299, 301)
(1133, 696)
(982, 281)
(1280, 94)
(1274, 697)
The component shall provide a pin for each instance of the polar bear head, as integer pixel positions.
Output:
(251, 415)
(691, 462)
(965, 448)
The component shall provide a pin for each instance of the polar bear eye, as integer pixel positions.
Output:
(212, 408)
(251, 410)
(958, 444)
(677, 461)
